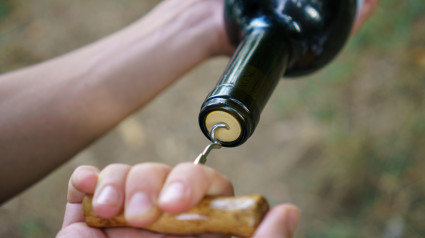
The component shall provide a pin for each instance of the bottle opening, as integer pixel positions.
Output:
(230, 134)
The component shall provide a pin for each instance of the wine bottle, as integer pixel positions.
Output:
(274, 38)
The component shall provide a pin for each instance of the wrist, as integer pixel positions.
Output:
(141, 60)
(203, 22)
(218, 43)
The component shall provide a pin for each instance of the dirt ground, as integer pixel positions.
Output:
(314, 144)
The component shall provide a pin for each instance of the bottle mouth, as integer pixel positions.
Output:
(241, 122)
(229, 134)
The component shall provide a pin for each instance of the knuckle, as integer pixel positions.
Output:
(149, 169)
(79, 173)
(80, 169)
(151, 166)
(185, 166)
(115, 166)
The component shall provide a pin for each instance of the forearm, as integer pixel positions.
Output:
(51, 111)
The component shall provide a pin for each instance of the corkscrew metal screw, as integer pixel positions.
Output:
(202, 158)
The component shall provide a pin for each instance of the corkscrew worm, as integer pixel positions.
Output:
(202, 158)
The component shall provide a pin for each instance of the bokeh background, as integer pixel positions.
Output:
(347, 144)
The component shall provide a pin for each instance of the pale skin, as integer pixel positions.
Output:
(51, 111)
(172, 190)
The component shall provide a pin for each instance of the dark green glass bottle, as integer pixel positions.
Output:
(273, 38)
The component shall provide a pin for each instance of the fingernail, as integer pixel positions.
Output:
(173, 192)
(109, 196)
(293, 217)
(138, 205)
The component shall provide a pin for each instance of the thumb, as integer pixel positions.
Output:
(280, 222)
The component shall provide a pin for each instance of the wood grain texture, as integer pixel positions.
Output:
(238, 216)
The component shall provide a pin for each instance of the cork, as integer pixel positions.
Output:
(223, 134)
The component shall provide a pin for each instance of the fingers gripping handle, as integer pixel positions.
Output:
(238, 216)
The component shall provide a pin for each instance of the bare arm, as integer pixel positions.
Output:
(51, 111)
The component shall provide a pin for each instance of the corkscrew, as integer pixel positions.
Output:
(216, 144)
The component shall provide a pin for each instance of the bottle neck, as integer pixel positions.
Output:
(258, 65)
(247, 84)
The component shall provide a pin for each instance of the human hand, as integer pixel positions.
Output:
(368, 9)
(222, 45)
(163, 189)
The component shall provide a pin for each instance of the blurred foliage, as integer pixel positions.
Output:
(34, 228)
(14, 52)
(15, 56)
(390, 26)
(4, 8)
(368, 167)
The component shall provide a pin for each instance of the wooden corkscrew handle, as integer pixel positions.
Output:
(238, 216)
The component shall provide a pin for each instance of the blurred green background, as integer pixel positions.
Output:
(347, 144)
